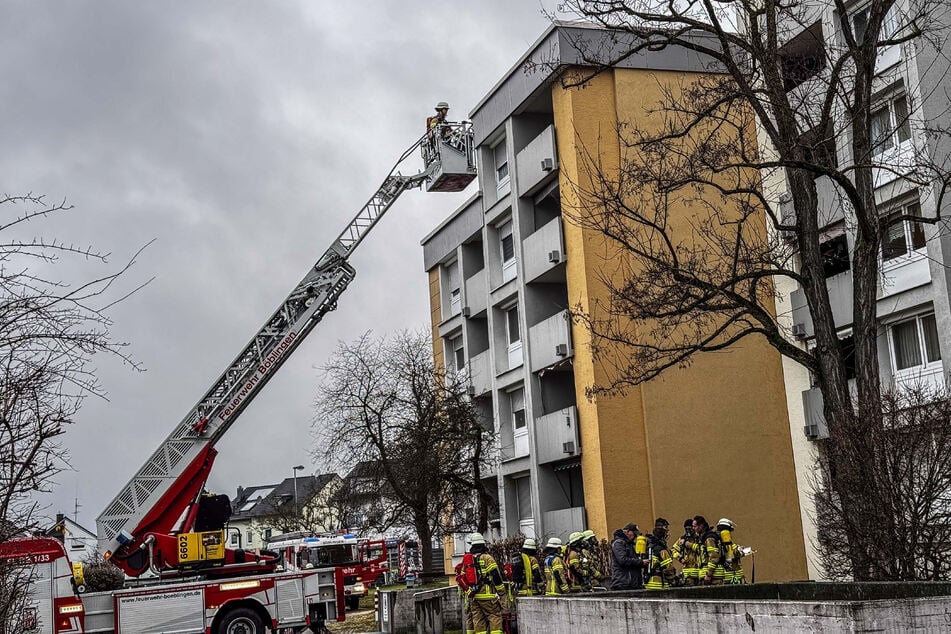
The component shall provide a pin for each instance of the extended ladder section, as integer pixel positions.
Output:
(155, 499)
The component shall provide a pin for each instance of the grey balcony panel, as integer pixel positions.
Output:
(556, 435)
(815, 423)
(829, 202)
(550, 341)
(537, 162)
(908, 274)
(476, 296)
(563, 522)
(450, 325)
(840, 298)
(480, 375)
(543, 251)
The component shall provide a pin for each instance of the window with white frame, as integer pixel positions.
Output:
(906, 237)
(889, 55)
(250, 537)
(914, 344)
(507, 248)
(513, 336)
(235, 538)
(517, 401)
(890, 126)
(451, 271)
(501, 164)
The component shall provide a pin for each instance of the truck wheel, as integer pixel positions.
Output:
(241, 621)
(353, 602)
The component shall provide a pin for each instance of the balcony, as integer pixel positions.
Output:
(829, 204)
(562, 522)
(904, 273)
(480, 378)
(812, 403)
(556, 435)
(550, 341)
(543, 252)
(537, 162)
(840, 296)
(476, 296)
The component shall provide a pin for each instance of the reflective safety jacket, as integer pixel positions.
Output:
(710, 554)
(661, 572)
(730, 570)
(490, 581)
(534, 578)
(687, 551)
(556, 575)
(582, 573)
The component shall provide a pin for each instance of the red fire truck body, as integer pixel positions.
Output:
(360, 562)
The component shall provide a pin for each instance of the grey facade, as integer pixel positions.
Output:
(910, 94)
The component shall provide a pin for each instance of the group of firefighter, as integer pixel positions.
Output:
(706, 556)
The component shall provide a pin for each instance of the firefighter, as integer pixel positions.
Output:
(435, 128)
(730, 569)
(486, 602)
(686, 551)
(533, 580)
(583, 576)
(708, 551)
(660, 572)
(591, 548)
(555, 572)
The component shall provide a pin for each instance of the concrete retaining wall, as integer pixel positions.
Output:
(625, 613)
(405, 611)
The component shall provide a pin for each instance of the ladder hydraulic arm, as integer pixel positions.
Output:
(137, 528)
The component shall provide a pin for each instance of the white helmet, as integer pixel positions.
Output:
(529, 544)
(723, 521)
(441, 105)
(554, 542)
(476, 538)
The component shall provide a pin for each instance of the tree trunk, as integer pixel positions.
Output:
(425, 535)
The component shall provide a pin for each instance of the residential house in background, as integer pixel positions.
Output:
(505, 268)
(910, 93)
(80, 542)
(262, 512)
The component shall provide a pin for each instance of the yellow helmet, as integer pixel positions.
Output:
(575, 536)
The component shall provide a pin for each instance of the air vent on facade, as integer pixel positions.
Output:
(548, 165)
(799, 330)
(811, 431)
(561, 349)
(554, 256)
(466, 311)
(568, 447)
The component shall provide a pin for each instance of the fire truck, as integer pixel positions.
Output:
(164, 523)
(360, 561)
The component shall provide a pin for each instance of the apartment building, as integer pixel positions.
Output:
(910, 92)
(505, 267)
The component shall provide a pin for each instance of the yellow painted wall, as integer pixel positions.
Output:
(710, 439)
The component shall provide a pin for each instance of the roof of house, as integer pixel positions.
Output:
(264, 500)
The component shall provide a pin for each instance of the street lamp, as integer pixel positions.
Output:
(299, 467)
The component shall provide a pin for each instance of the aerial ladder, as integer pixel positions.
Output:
(163, 520)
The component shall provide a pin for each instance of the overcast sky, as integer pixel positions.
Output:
(241, 137)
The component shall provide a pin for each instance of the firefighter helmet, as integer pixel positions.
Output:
(529, 544)
(442, 105)
(476, 538)
(554, 542)
(723, 521)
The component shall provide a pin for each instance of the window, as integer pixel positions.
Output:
(235, 538)
(847, 344)
(451, 271)
(501, 164)
(517, 400)
(915, 343)
(513, 337)
(458, 354)
(890, 127)
(904, 237)
(523, 498)
(835, 254)
(887, 56)
(250, 537)
(507, 248)
(267, 534)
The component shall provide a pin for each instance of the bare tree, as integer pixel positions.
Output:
(383, 403)
(696, 242)
(913, 456)
(50, 328)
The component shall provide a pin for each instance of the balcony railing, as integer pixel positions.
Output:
(550, 341)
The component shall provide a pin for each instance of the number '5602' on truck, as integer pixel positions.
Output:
(164, 523)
